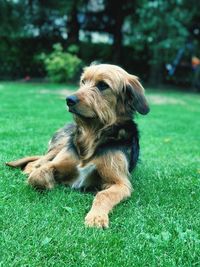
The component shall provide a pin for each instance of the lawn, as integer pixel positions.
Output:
(158, 226)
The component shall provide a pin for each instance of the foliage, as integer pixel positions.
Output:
(21, 59)
(11, 21)
(158, 226)
(163, 27)
(61, 66)
(155, 29)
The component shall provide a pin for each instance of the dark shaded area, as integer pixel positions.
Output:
(20, 60)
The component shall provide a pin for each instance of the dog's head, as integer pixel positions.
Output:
(106, 93)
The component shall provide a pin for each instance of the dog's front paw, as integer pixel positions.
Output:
(99, 220)
(29, 168)
(42, 178)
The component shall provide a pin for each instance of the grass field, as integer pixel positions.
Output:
(158, 226)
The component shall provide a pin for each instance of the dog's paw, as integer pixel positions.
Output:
(99, 220)
(29, 168)
(42, 178)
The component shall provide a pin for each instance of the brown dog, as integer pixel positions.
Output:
(101, 148)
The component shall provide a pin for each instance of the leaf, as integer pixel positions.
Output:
(166, 235)
(167, 140)
(46, 241)
(68, 209)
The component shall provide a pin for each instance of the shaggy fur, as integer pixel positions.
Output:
(101, 148)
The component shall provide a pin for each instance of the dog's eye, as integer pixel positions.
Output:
(83, 81)
(102, 86)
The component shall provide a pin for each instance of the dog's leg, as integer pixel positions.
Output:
(30, 167)
(104, 202)
(21, 163)
(29, 164)
(61, 169)
(114, 172)
(42, 177)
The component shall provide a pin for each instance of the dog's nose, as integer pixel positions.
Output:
(72, 100)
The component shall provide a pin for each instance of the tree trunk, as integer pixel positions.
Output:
(118, 38)
(156, 68)
(118, 18)
(73, 25)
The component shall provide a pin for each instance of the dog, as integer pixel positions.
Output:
(101, 148)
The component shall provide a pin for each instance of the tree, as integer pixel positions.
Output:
(117, 11)
(162, 29)
(11, 19)
(73, 25)
(110, 18)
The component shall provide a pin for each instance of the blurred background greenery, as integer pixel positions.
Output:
(157, 40)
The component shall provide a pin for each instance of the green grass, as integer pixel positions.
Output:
(158, 226)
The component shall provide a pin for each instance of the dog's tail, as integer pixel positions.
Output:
(21, 163)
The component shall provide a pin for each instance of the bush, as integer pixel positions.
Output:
(61, 66)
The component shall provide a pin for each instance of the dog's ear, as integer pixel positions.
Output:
(135, 95)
